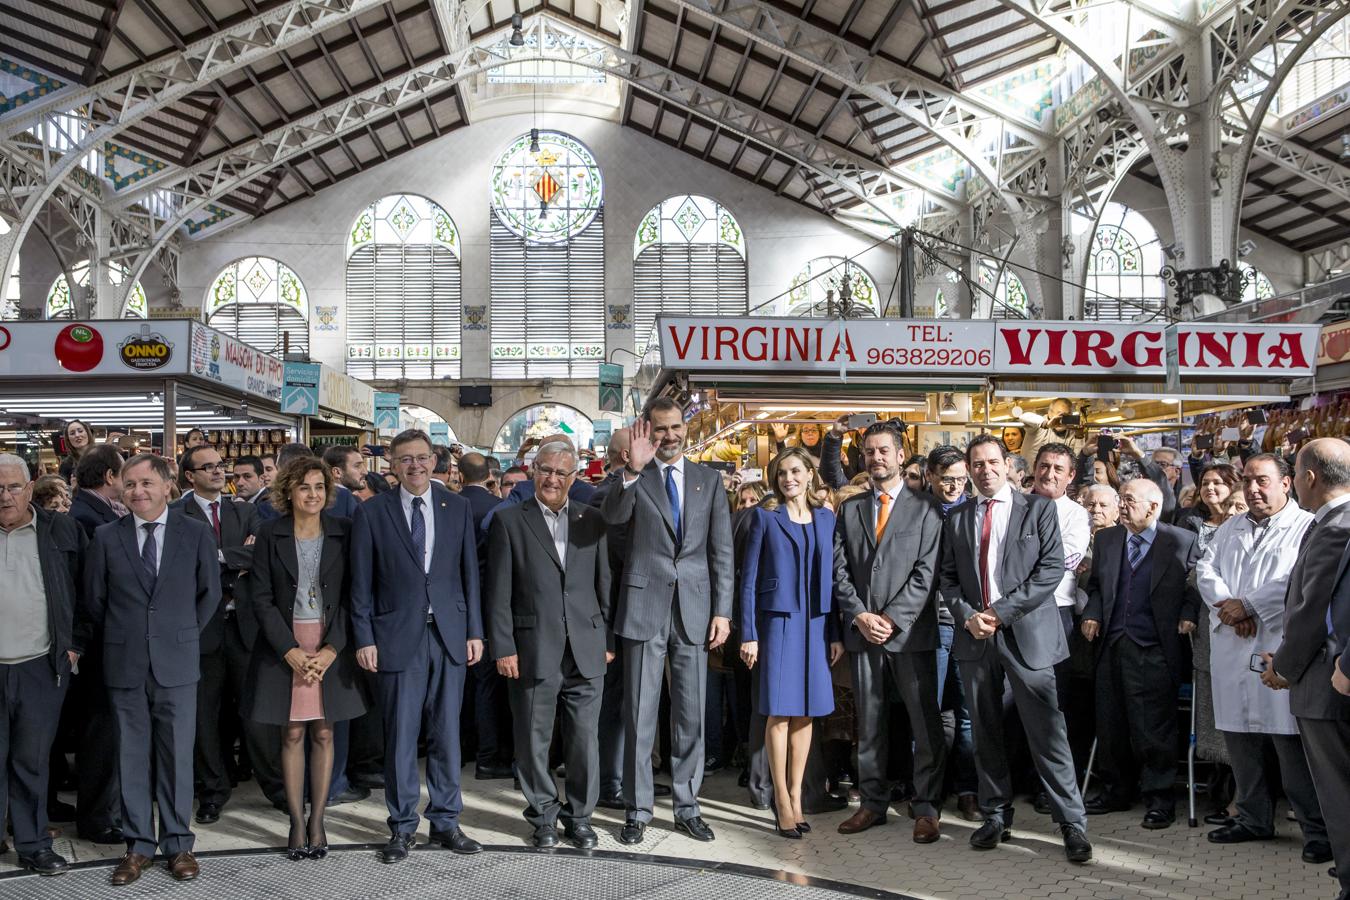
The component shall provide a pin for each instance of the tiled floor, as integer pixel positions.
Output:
(1130, 862)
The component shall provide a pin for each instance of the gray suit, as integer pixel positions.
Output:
(895, 577)
(670, 590)
(552, 615)
(1024, 650)
(1305, 659)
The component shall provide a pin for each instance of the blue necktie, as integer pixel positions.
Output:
(150, 550)
(1136, 550)
(419, 531)
(674, 496)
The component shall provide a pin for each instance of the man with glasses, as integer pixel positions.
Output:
(417, 623)
(226, 643)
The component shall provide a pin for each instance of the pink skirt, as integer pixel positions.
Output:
(306, 697)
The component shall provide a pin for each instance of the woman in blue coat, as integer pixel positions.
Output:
(788, 625)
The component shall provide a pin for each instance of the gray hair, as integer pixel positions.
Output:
(556, 448)
(1174, 455)
(1148, 488)
(18, 462)
(1329, 460)
(1106, 489)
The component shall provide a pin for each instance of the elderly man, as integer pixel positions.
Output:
(1102, 505)
(548, 630)
(40, 557)
(1243, 579)
(1139, 594)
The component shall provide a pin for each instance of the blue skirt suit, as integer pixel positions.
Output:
(787, 592)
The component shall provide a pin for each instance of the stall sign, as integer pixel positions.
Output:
(1332, 347)
(386, 412)
(344, 394)
(300, 394)
(47, 349)
(220, 358)
(439, 432)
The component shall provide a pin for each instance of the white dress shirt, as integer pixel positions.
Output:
(1325, 509)
(162, 521)
(997, 532)
(876, 503)
(557, 526)
(427, 496)
(206, 506)
(678, 466)
(1075, 532)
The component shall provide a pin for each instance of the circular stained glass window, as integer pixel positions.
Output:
(550, 194)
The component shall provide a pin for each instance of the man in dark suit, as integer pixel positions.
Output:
(349, 472)
(1140, 595)
(548, 630)
(417, 622)
(885, 562)
(494, 746)
(523, 489)
(227, 643)
(674, 606)
(1314, 637)
(1001, 560)
(152, 585)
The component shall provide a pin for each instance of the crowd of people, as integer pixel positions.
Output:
(856, 626)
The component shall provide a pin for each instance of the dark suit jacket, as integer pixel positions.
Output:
(537, 604)
(273, 582)
(775, 576)
(90, 512)
(238, 522)
(391, 590)
(1306, 654)
(263, 504)
(895, 577)
(152, 629)
(1172, 596)
(579, 491)
(481, 502)
(1339, 640)
(1031, 565)
(61, 547)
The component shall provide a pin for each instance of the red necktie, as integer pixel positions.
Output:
(215, 519)
(986, 530)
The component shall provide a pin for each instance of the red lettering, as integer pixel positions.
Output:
(800, 340)
(758, 355)
(1253, 360)
(1055, 354)
(1019, 354)
(1211, 344)
(1131, 354)
(726, 338)
(844, 343)
(1288, 352)
(4, 338)
(681, 352)
(1094, 348)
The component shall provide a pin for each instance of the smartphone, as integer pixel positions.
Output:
(750, 476)
(861, 420)
(1071, 419)
(1257, 664)
(1297, 435)
(1230, 434)
(1204, 442)
(1256, 417)
(1106, 445)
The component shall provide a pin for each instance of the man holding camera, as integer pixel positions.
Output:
(1059, 425)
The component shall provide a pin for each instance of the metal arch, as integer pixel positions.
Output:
(1124, 163)
(889, 86)
(214, 178)
(112, 105)
(1312, 167)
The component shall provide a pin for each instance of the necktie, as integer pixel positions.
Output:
(215, 518)
(673, 495)
(419, 531)
(986, 531)
(150, 550)
(1136, 550)
(883, 514)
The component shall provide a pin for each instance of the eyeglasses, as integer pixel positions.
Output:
(13, 490)
(949, 481)
(209, 468)
(562, 474)
(913, 476)
(422, 459)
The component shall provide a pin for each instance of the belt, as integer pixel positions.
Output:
(431, 618)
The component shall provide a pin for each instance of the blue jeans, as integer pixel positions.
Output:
(962, 753)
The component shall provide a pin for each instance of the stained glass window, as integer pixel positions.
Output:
(1009, 300)
(259, 300)
(1125, 257)
(1258, 286)
(688, 259)
(548, 195)
(403, 290)
(60, 304)
(940, 309)
(808, 289)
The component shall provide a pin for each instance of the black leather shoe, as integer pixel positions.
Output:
(902, 793)
(458, 842)
(111, 836)
(1219, 818)
(372, 781)
(1042, 803)
(47, 862)
(60, 811)
(1236, 833)
(611, 801)
(711, 764)
(1157, 819)
(632, 832)
(208, 814)
(988, 835)
(661, 790)
(352, 794)
(545, 836)
(1101, 804)
(397, 848)
(743, 779)
(490, 771)
(828, 804)
(1076, 846)
(582, 835)
(695, 827)
(1317, 852)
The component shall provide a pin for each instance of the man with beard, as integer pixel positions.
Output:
(349, 471)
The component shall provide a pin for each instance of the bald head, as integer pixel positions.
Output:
(1322, 472)
(1140, 503)
(473, 468)
(617, 453)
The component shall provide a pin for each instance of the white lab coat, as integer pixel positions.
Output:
(1230, 568)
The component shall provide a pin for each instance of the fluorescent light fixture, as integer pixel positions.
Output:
(1003, 418)
(812, 406)
(762, 415)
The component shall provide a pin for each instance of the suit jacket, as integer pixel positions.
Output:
(90, 512)
(481, 502)
(61, 547)
(1031, 566)
(238, 522)
(273, 581)
(656, 569)
(1339, 640)
(895, 577)
(1172, 594)
(263, 504)
(391, 591)
(151, 628)
(579, 491)
(1307, 653)
(537, 604)
(774, 578)
(344, 503)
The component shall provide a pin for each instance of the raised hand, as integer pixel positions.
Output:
(641, 449)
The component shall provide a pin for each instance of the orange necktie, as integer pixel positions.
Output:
(883, 514)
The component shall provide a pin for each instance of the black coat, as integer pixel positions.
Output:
(61, 546)
(272, 585)
(238, 522)
(91, 512)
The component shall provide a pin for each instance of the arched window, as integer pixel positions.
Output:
(688, 259)
(403, 291)
(810, 287)
(1126, 256)
(540, 421)
(1257, 286)
(940, 308)
(60, 304)
(548, 259)
(258, 300)
(1009, 300)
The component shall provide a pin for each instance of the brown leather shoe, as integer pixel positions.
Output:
(926, 830)
(861, 820)
(968, 808)
(183, 866)
(130, 868)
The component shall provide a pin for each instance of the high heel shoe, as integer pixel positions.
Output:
(319, 849)
(804, 827)
(792, 834)
(296, 851)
